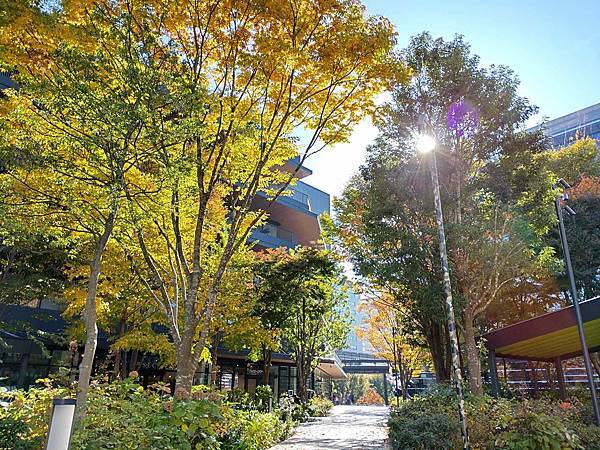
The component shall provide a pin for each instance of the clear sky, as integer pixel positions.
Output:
(552, 45)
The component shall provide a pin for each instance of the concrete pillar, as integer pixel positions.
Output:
(560, 376)
(493, 373)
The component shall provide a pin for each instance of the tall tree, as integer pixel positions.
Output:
(260, 72)
(496, 186)
(385, 227)
(318, 323)
(201, 100)
(284, 279)
(74, 129)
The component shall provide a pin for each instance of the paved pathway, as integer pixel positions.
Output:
(346, 428)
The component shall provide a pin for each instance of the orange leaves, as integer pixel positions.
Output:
(587, 187)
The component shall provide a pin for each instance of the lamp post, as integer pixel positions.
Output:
(426, 144)
(562, 184)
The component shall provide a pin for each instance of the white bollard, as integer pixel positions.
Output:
(61, 424)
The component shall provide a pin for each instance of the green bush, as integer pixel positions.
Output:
(254, 430)
(319, 407)
(24, 422)
(430, 421)
(124, 416)
(411, 428)
(532, 431)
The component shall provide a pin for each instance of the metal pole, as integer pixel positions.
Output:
(395, 371)
(449, 306)
(493, 373)
(573, 289)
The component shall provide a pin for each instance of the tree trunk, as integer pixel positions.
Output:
(302, 380)
(185, 361)
(214, 368)
(133, 361)
(90, 317)
(437, 354)
(473, 361)
(184, 376)
(267, 363)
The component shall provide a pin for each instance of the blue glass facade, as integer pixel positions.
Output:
(577, 125)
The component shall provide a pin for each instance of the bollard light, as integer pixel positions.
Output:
(61, 424)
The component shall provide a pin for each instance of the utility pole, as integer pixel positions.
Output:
(573, 289)
(426, 144)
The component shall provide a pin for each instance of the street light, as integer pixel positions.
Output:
(426, 144)
(562, 184)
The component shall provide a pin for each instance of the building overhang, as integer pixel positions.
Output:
(331, 368)
(547, 337)
(301, 221)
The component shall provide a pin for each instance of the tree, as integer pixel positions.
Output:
(283, 280)
(73, 132)
(496, 183)
(584, 240)
(32, 259)
(387, 231)
(258, 73)
(235, 80)
(125, 311)
(317, 321)
(384, 331)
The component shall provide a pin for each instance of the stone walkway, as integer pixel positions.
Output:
(346, 428)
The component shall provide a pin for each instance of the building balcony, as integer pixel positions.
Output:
(273, 236)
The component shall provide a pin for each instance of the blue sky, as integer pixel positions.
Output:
(553, 46)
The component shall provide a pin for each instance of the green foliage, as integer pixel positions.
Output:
(302, 301)
(536, 431)
(26, 417)
(125, 416)
(254, 430)
(262, 396)
(543, 424)
(414, 429)
(319, 407)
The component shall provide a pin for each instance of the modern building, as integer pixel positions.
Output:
(576, 125)
(293, 220)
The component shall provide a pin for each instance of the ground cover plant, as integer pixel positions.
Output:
(125, 416)
(430, 421)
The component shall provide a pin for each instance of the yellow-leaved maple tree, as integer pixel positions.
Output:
(383, 327)
(193, 111)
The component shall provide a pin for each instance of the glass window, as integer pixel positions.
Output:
(60, 358)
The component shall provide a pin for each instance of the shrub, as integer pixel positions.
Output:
(124, 416)
(414, 429)
(262, 397)
(253, 430)
(319, 407)
(532, 431)
(24, 422)
(292, 410)
(514, 423)
(370, 397)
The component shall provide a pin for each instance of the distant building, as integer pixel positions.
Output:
(354, 343)
(576, 125)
